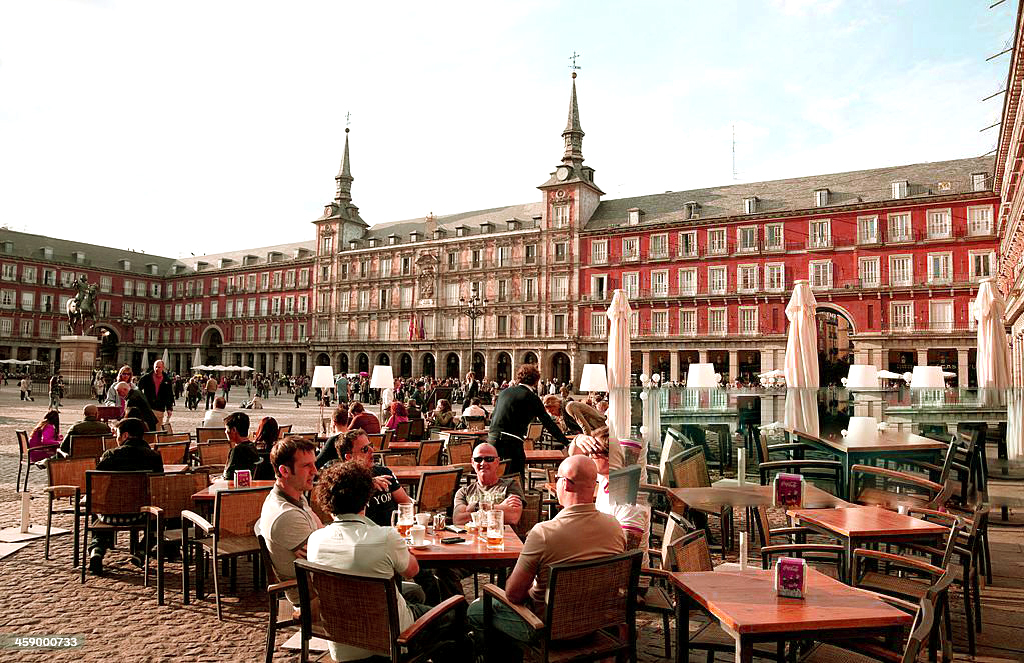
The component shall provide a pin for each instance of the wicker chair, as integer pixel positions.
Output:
(460, 450)
(229, 536)
(830, 471)
(67, 481)
(890, 489)
(401, 458)
(88, 446)
(167, 438)
(211, 433)
(590, 612)
(363, 612)
(436, 490)
(23, 458)
(169, 495)
(417, 429)
(214, 453)
(689, 470)
(173, 453)
(429, 452)
(112, 493)
(276, 589)
(402, 431)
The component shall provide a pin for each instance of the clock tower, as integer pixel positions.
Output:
(570, 194)
(340, 218)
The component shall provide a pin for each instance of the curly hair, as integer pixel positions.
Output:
(528, 374)
(344, 487)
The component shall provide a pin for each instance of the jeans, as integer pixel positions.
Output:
(504, 620)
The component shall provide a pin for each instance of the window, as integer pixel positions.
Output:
(49, 277)
(46, 303)
(634, 217)
(717, 280)
(867, 230)
(275, 333)
(820, 234)
(385, 267)
(901, 270)
(530, 289)
(325, 273)
(451, 294)
(264, 280)
(10, 272)
(476, 258)
(530, 254)
(28, 274)
(748, 319)
(502, 325)
(140, 288)
(659, 323)
(154, 289)
(598, 252)
(821, 273)
(821, 198)
(979, 182)
(250, 333)
(716, 321)
(6, 326)
(560, 215)
(750, 205)
(303, 304)
(27, 327)
(7, 298)
(716, 241)
(504, 255)
(746, 278)
(560, 288)
(275, 280)
(688, 281)
(939, 224)
(303, 278)
(899, 189)
(659, 283)
(773, 236)
(634, 324)
(775, 277)
(688, 244)
(558, 324)
(289, 279)
(229, 308)
(264, 306)
(405, 297)
(630, 248)
(982, 264)
(599, 325)
(598, 287)
(326, 244)
(213, 308)
(129, 287)
(869, 270)
(979, 220)
(28, 301)
(529, 325)
(940, 268)
(746, 239)
(46, 329)
(561, 251)
(106, 284)
(940, 315)
(250, 282)
(251, 308)
(659, 247)
(899, 227)
(902, 315)
(66, 278)
(688, 322)
(631, 284)
(453, 262)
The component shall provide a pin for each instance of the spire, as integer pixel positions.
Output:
(344, 177)
(573, 134)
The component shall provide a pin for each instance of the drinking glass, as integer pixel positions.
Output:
(403, 519)
(495, 529)
(476, 525)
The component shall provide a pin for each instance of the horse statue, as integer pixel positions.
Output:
(81, 306)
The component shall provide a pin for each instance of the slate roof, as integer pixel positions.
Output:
(496, 215)
(27, 245)
(237, 256)
(780, 196)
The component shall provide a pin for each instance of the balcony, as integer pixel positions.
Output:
(817, 243)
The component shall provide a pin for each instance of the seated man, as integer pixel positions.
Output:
(243, 454)
(578, 533)
(89, 425)
(503, 494)
(215, 418)
(329, 452)
(355, 544)
(132, 454)
(287, 520)
(387, 492)
(475, 409)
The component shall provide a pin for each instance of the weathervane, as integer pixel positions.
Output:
(348, 120)
(574, 67)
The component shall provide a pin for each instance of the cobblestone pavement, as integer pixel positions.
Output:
(117, 615)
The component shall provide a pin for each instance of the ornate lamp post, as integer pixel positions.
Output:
(128, 321)
(472, 308)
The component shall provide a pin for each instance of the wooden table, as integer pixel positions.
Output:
(856, 525)
(886, 444)
(473, 554)
(544, 456)
(401, 446)
(749, 495)
(747, 607)
(411, 474)
(209, 493)
(175, 469)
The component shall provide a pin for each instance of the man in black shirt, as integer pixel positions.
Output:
(133, 454)
(387, 492)
(515, 408)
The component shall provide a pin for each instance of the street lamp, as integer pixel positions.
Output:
(472, 308)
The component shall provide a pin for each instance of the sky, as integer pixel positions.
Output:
(180, 128)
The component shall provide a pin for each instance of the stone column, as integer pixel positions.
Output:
(734, 364)
(702, 356)
(922, 357)
(961, 367)
(645, 362)
(673, 366)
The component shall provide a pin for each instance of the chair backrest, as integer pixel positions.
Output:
(116, 492)
(386, 440)
(671, 446)
(460, 450)
(23, 442)
(920, 631)
(109, 442)
(172, 453)
(236, 511)
(584, 597)
(531, 514)
(429, 452)
(284, 430)
(377, 440)
(402, 430)
(403, 458)
(69, 472)
(354, 610)
(436, 491)
(762, 447)
(535, 430)
(173, 492)
(416, 429)
(308, 437)
(87, 446)
(268, 562)
(151, 437)
(211, 433)
(685, 551)
(688, 470)
(214, 453)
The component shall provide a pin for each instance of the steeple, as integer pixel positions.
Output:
(344, 177)
(573, 134)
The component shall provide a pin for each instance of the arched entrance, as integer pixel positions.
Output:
(428, 365)
(560, 367)
(323, 359)
(503, 367)
(108, 347)
(343, 363)
(835, 345)
(210, 346)
(405, 365)
(529, 358)
(451, 366)
(479, 366)
(383, 360)
(363, 363)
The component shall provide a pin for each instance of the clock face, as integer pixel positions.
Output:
(328, 210)
(562, 173)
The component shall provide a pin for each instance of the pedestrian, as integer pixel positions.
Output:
(26, 388)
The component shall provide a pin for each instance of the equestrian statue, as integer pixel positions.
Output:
(82, 306)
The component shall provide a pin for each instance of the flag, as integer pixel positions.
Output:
(423, 329)
(412, 327)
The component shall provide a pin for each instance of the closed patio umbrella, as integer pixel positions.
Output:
(619, 376)
(196, 359)
(993, 351)
(166, 358)
(145, 360)
(801, 365)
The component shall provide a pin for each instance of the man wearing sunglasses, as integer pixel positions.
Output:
(387, 492)
(503, 494)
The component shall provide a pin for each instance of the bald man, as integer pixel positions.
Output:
(578, 533)
(503, 494)
(89, 425)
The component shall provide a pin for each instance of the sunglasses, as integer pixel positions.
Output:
(484, 459)
(559, 476)
(368, 448)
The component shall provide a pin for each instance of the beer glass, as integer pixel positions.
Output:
(495, 529)
(403, 519)
(476, 524)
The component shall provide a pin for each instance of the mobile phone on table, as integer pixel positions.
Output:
(453, 539)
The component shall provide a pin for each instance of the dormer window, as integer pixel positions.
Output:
(750, 205)
(125, 265)
(979, 181)
(439, 233)
(821, 198)
(373, 242)
(47, 253)
(78, 257)
(486, 228)
(200, 266)
(274, 256)
(250, 259)
(414, 236)
(8, 247)
(899, 189)
(633, 216)
(512, 224)
(154, 269)
(692, 210)
(353, 244)
(461, 231)
(225, 262)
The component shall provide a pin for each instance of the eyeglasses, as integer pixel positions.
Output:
(559, 476)
(484, 459)
(367, 449)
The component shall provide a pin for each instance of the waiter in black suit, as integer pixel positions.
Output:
(515, 408)
(472, 389)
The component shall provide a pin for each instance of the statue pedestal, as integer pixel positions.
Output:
(77, 364)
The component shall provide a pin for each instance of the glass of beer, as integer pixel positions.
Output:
(495, 529)
(476, 524)
(403, 518)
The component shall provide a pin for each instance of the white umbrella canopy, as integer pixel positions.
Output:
(166, 358)
(801, 365)
(145, 360)
(993, 352)
(618, 364)
(802, 410)
(196, 359)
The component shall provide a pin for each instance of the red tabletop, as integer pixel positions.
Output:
(469, 554)
(750, 495)
(867, 521)
(401, 446)
(746, 603)
(210, 492)
(412, 473)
